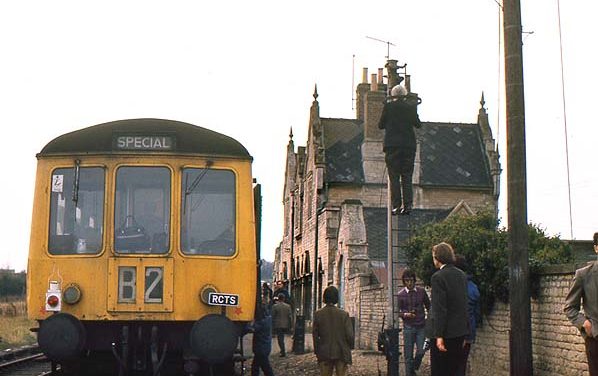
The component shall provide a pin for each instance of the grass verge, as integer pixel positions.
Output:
(14, 331)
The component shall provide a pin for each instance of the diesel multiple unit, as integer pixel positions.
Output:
(143, 248)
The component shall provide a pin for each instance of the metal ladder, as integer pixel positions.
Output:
(399, 234)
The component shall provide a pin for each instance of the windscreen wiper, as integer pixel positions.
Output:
(76, 181)
(195, 182)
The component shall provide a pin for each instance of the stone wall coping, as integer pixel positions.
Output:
(361, 274)
(377, 286)
(355, 243)
(359, 257)
(560, 269)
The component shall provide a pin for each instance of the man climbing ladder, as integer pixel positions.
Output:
(399, 117)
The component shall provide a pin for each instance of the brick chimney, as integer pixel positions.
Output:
(372, 102)
(362, 89)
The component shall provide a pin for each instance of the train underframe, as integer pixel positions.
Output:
(210, 346)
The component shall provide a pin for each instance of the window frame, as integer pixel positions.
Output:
(170, 217)
(102, 222)
(235, 219)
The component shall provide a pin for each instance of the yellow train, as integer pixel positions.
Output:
(144, 248)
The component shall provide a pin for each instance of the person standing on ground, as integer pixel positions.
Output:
(282, 321)
(399, 117)
(333, 336)
(266, 294)
(584, 293)
(413, 305)
(473, 313)
(279, 288)
(449, 309)
(262, 342)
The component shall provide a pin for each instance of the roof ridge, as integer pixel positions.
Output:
(343, 119)
(447, 123)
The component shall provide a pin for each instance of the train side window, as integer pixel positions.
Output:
(142, 210)
(208, 199)
(76, 211)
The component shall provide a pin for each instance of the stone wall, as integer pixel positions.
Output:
(371, 310)
(558, 349)
(370, 195)
(427, 197)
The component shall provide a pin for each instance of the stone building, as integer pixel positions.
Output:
(335, 194)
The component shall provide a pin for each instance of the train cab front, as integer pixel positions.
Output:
(135, 224)
(141, 338)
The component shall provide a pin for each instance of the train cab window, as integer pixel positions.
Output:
(208, 212)
(76, 211)
(142, 210)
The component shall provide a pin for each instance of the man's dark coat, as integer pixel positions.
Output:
(398, 119)
(449, 303)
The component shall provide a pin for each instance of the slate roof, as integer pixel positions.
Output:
(452, 155)
(375, 225)
(342, 143)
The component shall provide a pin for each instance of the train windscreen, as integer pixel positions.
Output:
(208, 212)
(142, 210)
(76, 211)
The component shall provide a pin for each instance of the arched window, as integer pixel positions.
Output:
(341, 282)
(320, 281)
(309, 197)
(287, 217)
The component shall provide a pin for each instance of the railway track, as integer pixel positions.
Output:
(30, 361)
(25, 361)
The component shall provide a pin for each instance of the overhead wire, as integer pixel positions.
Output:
(558, 2)
(498, 109)
(563, 100)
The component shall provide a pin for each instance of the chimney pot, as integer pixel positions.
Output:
(374, 82)
(380, 75)
(364, 78)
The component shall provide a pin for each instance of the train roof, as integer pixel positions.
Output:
(180, 138)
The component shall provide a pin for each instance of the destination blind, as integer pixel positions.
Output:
(144, 142)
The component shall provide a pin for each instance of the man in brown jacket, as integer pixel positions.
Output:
(584, 292)
(333, 336)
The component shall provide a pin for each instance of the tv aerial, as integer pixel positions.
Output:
(388, 44)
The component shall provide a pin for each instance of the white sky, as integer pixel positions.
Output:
(248, 68)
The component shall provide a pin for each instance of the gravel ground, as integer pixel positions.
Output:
(365, 362)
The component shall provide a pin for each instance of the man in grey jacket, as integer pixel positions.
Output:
(584, 292)
(282, 321)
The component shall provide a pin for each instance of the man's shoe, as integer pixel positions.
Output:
(282, 355)
(406, 210)
(396, 211)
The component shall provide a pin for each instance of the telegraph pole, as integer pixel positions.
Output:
(520, 343)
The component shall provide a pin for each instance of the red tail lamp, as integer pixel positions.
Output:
(53, 301)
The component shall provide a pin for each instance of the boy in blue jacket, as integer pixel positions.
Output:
(473, 313)
(262, 342)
